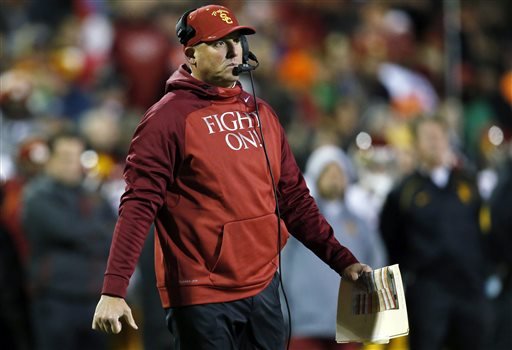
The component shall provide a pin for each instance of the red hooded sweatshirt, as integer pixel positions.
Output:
(197, 169)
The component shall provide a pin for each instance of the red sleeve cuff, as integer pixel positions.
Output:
(343, 264)
(114, 285)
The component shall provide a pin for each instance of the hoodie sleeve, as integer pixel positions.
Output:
(302, 216)
(154, 153)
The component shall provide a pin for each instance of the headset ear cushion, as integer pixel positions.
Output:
(184, 32)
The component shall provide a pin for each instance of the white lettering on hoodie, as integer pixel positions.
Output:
(240, 128)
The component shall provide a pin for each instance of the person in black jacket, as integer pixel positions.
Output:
(69, 230)
(430, 225)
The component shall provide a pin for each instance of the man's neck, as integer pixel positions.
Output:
(233, 85)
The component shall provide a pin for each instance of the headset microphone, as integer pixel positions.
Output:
(246, 56)
(245, 67)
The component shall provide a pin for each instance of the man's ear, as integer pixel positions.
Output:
(190, 55)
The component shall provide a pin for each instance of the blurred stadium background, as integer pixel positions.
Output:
(353, 73)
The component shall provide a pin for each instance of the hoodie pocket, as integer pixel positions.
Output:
(248, 254)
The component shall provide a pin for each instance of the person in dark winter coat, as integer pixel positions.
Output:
(69, 231)
(430, 225)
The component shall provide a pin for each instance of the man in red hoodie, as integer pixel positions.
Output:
(198, 168)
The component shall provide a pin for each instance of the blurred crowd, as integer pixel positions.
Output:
(77, 75)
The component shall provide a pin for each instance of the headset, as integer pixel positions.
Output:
(184, 32)
(245, 67)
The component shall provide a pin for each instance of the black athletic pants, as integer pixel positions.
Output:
(251, 323)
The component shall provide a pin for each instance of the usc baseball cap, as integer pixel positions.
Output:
(209, 23)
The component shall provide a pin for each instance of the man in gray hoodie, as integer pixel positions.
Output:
(311, 287)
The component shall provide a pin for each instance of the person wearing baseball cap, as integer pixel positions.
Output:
(210, 166)
(207, 24)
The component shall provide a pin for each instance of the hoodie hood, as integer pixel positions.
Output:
(320, 158)
(182, 79)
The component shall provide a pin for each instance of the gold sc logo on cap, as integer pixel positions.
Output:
(223, 14)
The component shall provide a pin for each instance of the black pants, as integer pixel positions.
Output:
(251, 323)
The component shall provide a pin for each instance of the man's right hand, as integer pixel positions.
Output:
(354, 271)
(108, 313)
